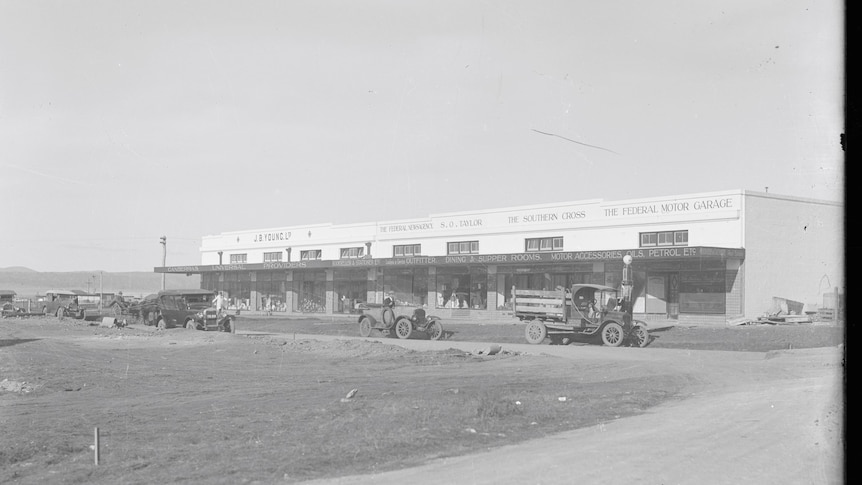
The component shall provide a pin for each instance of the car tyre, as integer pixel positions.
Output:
(162, 325)
(365, 327)
(191, 325)
(612, 334)
(403, 328)
(535, 332)
(640, 336)
(435, 330)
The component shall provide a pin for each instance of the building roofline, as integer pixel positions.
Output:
(792, 198)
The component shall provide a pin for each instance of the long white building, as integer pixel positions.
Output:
(698, 258)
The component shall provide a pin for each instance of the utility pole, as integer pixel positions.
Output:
(101, 288)
(164, 241)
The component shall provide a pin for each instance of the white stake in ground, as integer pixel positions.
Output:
(96, 444)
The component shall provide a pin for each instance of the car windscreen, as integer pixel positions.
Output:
(198, 298)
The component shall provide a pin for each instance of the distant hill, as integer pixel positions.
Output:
(17, 269)
(28, 283)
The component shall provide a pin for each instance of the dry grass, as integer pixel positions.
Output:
(233, 409)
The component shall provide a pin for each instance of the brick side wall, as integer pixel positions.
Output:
(733, 285)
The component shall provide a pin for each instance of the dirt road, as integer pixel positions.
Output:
(760, 418)
(170, 402)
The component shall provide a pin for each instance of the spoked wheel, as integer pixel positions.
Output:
(191, 325)
(435, 330)
(403, 328)
(612, 334)
(61, 312)
(639, 336)
(162, 325)
(365, 327)
(535, 332)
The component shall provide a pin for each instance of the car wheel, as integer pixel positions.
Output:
(61, 312)
(44, 310)
(162, 325)
(191, 325)
(365, 327)
(612, 334)
(435, 330)
(403, 328)
(640, 336)
(535, 332)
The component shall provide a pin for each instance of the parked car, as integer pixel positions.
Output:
(190, 309)
(7, 303)
(61, 303)
(402, 320)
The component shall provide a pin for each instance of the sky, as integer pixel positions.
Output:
(121, 122)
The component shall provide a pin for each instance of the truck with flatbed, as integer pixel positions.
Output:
(583, 310)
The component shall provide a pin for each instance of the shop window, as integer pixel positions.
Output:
(310, 255)
(463, 247)
(408, 286)
(312, 291)
(702, 292)
(272, 257)
(238, 258)
(352, 253)
(544, 244)
(462, 288)
(351, 288)
(271, 291)
(664, 238)
(406, 250)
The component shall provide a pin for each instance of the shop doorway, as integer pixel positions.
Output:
(656, 294)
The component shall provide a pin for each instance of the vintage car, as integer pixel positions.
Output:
(61, 303)
(400, 319)
(7, 304)
(191, 308)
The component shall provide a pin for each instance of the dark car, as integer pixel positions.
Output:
(61, 303)
(7, 303)
(181, 308)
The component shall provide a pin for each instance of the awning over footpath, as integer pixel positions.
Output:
(696, 253)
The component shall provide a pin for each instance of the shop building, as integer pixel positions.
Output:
(698, 258)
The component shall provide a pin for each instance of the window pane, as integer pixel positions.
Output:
(453, 291)
(464, 248)
(399, 251)
(681, 237)
(558, 243)
(453, 248)
(474, 247)
(545, 244)
(532, 244)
